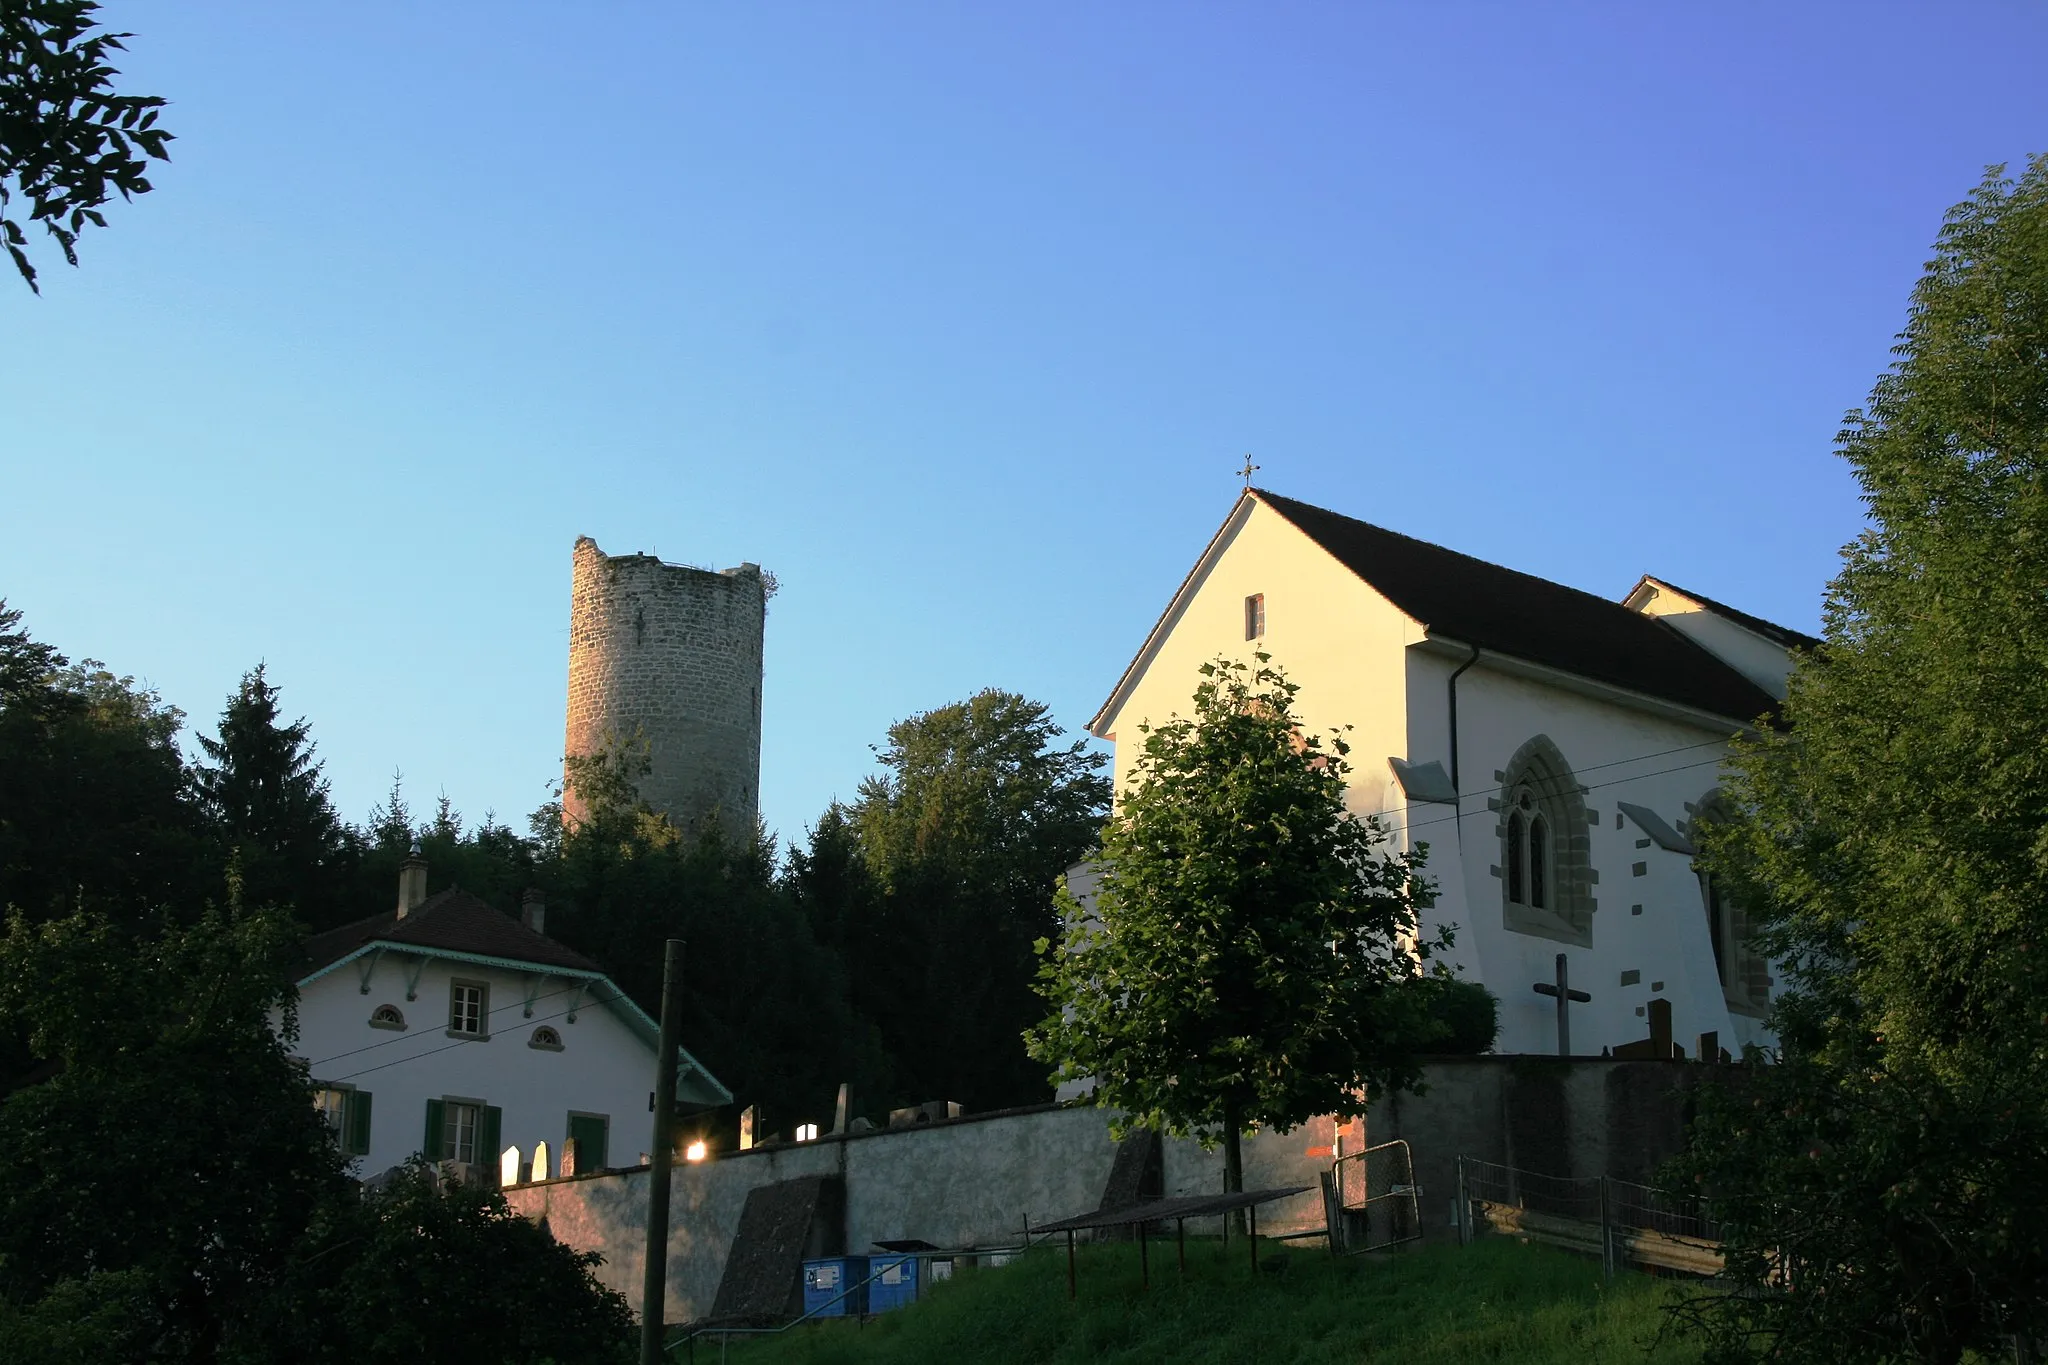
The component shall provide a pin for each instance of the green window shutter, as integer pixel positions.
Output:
(355, 1123)
(589, 1135)
(431, 1149)
(489, 1130)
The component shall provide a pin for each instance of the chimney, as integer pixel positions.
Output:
(533, 910)
(412, 881)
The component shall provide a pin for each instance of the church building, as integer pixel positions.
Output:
(1551, 748)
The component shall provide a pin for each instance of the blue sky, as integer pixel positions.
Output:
(957, 317)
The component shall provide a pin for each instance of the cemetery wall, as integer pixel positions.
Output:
(975, 1181)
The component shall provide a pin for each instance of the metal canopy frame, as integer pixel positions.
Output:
(1178, 1211)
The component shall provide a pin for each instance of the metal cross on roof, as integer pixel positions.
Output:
(1248, 470)
(1565, 995)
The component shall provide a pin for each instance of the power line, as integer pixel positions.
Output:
(421, 1056)
(516, 1004)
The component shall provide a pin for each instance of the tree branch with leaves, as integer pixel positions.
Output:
(68, 142)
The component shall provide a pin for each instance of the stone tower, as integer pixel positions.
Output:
(672, 654)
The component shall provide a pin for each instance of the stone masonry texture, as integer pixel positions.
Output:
(670, 657)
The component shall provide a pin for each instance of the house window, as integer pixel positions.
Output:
(387, 1016)
(464, 1130)
(1255, 616)
(347, 1113)
(1546, 867)
(546, 1039)
(460, 1124)
(468, 1009)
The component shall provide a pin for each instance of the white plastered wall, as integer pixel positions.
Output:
(1619, 754)
(603, 1067)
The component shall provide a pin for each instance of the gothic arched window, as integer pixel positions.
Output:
(1546, 870)
(1744, 973)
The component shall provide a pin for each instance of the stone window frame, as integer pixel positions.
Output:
(1745, 973)
(482, 1032)
(546, 1038)
(1539, 772)
(395, 1021)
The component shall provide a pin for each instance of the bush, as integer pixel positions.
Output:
(1468, 1015)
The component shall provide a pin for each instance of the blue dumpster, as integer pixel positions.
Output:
(894, 1284)
(825, 1280)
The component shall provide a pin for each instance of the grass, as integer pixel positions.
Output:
(1497, 1300)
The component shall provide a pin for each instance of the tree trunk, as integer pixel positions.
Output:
(1233, 1159)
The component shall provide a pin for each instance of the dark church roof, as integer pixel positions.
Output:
(452, 921)
(1477, 603)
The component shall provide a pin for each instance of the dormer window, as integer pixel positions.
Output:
(1255, 616)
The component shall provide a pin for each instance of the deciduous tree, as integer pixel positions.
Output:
(964, 834)
(1884, 1186)
(1253, 955)
(68, 141)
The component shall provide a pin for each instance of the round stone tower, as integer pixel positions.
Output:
(670, 657)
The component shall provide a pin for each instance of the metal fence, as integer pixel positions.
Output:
(1620, 1221)
(1371, 1200)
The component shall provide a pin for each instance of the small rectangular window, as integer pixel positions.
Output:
(459, 1123)
(468, 1008)
(1255, 616)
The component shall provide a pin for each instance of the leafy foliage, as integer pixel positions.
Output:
(1254, 953)
(68, 142)
(416, 1271)
(1885, 1185)
(97, 810)
(173, 1142)
(961, 842)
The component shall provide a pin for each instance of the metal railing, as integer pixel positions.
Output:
(1371, 1200)
(1619, 1221)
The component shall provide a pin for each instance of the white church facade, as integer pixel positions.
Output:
(1551, 748)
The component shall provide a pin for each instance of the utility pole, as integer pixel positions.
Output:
(654, 1286)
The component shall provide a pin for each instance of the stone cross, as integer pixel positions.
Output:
(1562, 989)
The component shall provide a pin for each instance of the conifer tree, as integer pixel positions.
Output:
(264, 791)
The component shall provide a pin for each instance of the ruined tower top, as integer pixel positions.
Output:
(670, 656)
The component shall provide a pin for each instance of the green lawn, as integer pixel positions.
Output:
(1496, 1300)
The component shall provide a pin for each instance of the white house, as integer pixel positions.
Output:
(1549, 746)
(447, 1028)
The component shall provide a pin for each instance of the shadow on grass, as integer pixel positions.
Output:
(1497, 1300)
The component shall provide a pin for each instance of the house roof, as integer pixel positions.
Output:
(454, 923)
(1504, 611)
(451, 921)
(1496, 608)
(1783, 636)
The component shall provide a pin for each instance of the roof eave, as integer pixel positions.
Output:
(1128, 682)
(1450, 647)
(452, 955)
